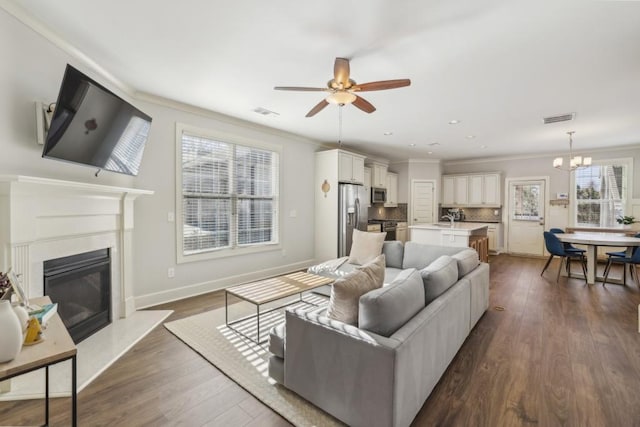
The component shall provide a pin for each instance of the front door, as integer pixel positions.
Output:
(526, 217)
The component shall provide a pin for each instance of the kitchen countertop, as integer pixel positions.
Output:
(480, 221)
(459, 228)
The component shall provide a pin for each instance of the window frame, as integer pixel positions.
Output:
(626, 161)
(235, 250)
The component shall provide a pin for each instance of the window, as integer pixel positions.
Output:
(229, 195)
(601, 192)
(526, 201)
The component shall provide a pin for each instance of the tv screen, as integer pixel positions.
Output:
(94, 127)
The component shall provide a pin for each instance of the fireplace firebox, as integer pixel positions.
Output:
(81, 286)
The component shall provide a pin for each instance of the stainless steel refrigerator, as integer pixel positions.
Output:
(352, 213)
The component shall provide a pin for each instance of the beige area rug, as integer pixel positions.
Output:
(246, 362)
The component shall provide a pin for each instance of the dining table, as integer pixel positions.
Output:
(594, 239)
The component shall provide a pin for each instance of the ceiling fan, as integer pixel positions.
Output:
(342, 90)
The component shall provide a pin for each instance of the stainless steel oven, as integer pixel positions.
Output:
(386, 226)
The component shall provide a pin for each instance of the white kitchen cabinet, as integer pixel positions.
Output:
(475, 193)
(448, 190)
(367, 187)
(461, 190)
(392, 190)
(491, 234)
(350, 168)
(401, 231)
(472, 190)
(491, 189)
(378, 175)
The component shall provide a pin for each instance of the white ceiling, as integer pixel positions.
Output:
(498, 66)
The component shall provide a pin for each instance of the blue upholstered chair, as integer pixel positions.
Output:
(567, 246)
(623, 254)
(556, 248)
(632, 260)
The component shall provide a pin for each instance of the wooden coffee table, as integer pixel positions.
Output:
(270, 290)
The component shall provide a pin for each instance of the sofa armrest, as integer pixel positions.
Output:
(341, 369)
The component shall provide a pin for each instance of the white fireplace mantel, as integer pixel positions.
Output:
(43, 218)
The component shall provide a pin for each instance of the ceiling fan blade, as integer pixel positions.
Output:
(302, 89)
(315, 110)
(341, 72)
(382, 85)
(364, 105)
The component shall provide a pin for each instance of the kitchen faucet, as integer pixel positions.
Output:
(450, 217)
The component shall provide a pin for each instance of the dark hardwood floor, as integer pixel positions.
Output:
(558, 354)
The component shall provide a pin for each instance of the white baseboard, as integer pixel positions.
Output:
(153, 299)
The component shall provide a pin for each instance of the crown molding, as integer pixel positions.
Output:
(537, 156)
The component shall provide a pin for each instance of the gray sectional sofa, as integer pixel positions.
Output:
(381, 371)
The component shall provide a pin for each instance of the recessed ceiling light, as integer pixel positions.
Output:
(454, 122)
(483, 146)
(412, 145)
(429, 152)
(470, 136)
(388, 133)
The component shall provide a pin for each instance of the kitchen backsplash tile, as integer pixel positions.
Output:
(479, 214)
(396, 214)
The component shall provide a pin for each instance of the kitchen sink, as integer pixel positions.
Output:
(441, 225)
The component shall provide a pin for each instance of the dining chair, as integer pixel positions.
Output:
(632, 260)
(556, 248)
(623, 254)
(567, 246)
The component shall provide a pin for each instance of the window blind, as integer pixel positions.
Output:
(601, 194)
(229, 195)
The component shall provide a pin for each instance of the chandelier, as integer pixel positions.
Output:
(575, 162)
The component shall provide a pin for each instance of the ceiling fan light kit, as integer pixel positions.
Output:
(341, 98)
(341, 89)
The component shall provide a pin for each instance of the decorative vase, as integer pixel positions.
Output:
(10, 333)
(23, 316)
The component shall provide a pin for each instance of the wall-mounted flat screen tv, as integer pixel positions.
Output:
(93, 126)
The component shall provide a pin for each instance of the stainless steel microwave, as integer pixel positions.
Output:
(378, 195)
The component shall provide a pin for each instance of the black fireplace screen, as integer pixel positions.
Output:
(81, 285)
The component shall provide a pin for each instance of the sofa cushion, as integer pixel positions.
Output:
(346, 291)
(383, 311)
(438, 276)
(393, 251)
(420, 255)
(366, 246)
(277, 339)
(467, 261)
(390, 274)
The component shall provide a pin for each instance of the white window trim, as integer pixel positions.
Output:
(627, 161)
(222, 252)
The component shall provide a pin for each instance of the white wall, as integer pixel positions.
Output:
(32, 69)
(415, 169)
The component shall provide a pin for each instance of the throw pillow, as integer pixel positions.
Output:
(393, 252)
(383, 311)
(347, 290)
(375, 269)
(439, 276)
(467, 261)
(366, 246)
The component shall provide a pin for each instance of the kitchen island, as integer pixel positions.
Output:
(465, 234)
